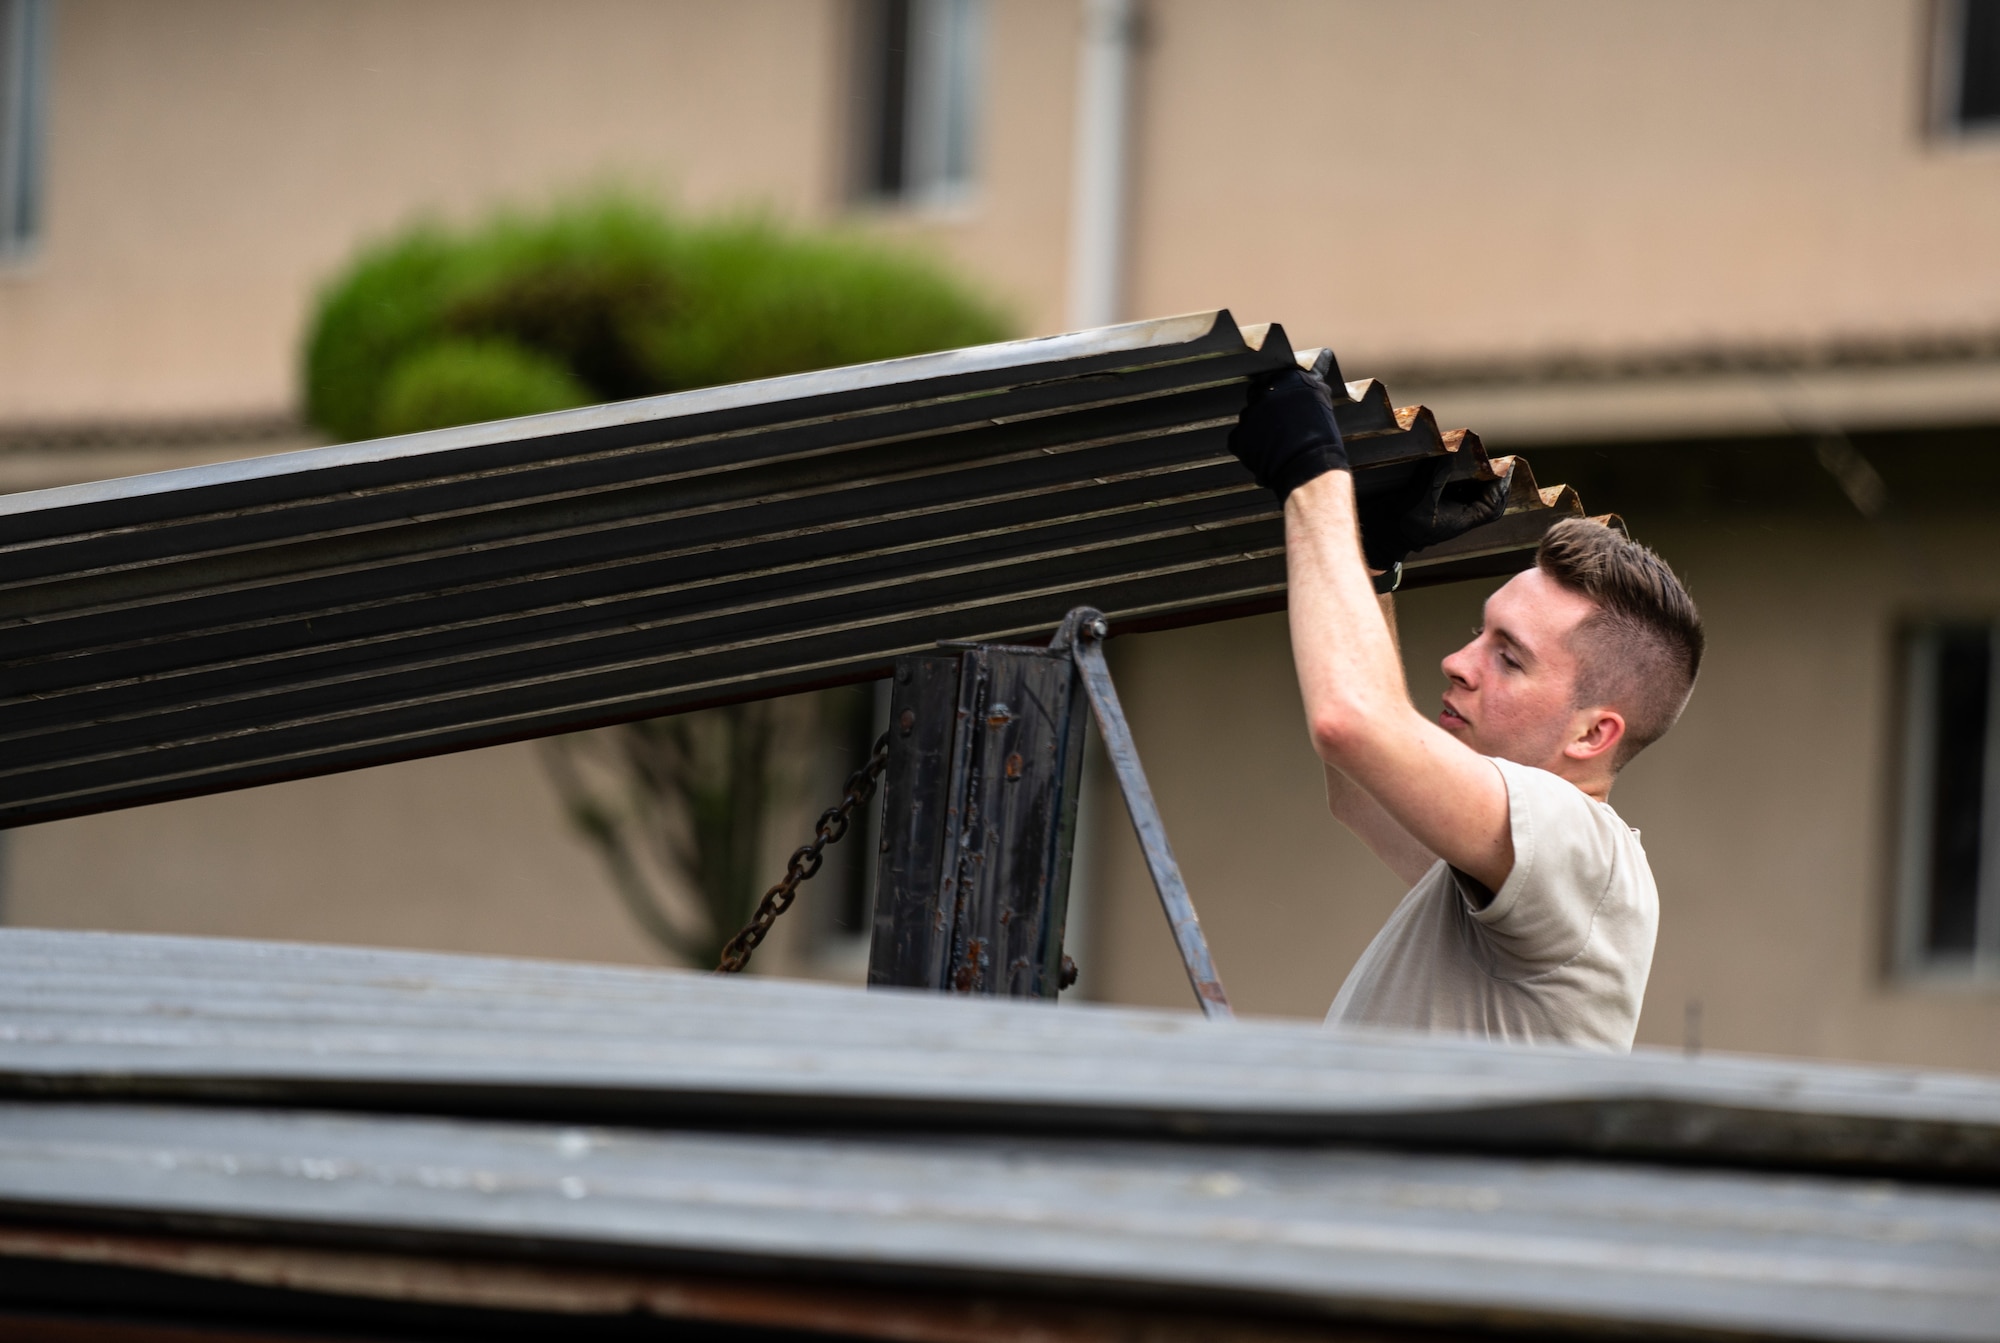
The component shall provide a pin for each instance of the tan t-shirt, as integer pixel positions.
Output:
(1559, 954)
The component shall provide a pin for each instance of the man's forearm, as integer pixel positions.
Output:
(1349, 671)
(1352, 805)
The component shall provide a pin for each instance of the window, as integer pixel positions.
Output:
(1951, 802)
(1968, 65)
(920, 67)
(24, 26)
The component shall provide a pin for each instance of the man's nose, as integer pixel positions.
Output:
(1457, 667)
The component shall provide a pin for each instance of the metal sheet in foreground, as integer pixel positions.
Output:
(1396, 1236)
(226, 625)
(122, 1016)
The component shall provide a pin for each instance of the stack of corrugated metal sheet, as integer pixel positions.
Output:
(205, 1133)
(226, 625)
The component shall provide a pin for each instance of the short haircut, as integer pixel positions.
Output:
(1640, 651)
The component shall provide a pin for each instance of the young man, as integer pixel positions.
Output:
(1533, 911)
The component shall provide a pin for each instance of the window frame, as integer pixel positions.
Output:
(1914, 961)
(24, 98)
(923, 103)
(1947, 79)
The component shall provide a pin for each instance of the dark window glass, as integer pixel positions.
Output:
(1979, 63)
(886, 68)
(1958, 797)
(23, 97)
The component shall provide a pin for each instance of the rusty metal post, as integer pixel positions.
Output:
(911, 942)
(979, 808)
(979, 818)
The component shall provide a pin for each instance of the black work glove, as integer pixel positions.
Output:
(1431, 509)
(1287, 435)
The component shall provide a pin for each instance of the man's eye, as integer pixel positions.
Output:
(1509, 659)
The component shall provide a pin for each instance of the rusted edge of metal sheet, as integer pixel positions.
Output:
(906, 1313)
(1395, 1236)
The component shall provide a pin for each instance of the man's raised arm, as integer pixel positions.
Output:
(1447, 798)
(1444, 795)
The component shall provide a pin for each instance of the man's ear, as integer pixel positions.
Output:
(1598, 733)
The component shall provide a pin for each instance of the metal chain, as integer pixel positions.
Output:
(832, 827)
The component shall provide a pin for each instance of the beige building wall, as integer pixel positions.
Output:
(467, 852)
(1443, 179)
(1408, 182)
(1767, 813)
(463, 852)
(212, 161)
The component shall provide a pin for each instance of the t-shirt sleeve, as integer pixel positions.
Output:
(1565, 848)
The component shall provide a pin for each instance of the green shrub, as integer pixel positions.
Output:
(382, 309)
(604, 300)
(464, 381)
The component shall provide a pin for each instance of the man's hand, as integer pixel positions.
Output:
(1430, 509)
(1287, 434)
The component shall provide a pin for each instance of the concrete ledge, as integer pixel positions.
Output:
(1522, 414)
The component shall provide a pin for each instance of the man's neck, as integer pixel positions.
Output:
(1594, 785)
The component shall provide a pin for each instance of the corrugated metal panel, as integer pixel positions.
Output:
(85, 1014)
(225, 625)
(1442, 1239)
